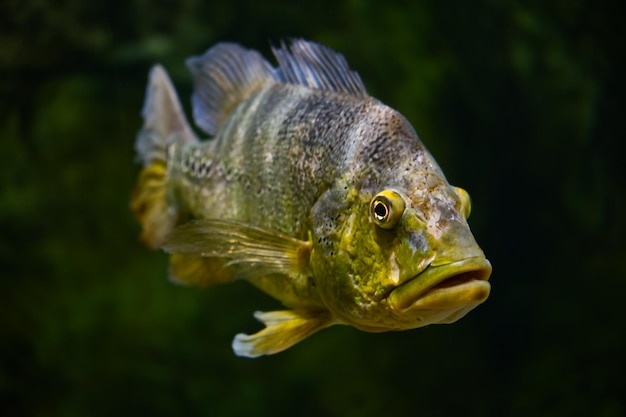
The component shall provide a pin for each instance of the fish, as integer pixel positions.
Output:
(298, 181)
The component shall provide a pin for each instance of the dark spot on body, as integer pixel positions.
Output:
(203, 168)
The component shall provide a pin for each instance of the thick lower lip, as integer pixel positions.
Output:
(445, 286)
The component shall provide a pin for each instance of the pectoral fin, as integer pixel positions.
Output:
(210, 245)
(283, 330)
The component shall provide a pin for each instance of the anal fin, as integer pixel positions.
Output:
(283, 330)
(150, 206)
(198, 270)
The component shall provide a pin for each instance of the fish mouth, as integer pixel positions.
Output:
(453, 286)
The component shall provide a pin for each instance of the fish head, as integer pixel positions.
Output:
(440, 271)
(404, 256)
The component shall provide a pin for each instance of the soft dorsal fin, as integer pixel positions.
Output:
(317, 66)
(223, 77)
(227, 74)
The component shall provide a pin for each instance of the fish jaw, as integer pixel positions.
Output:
(442, 293)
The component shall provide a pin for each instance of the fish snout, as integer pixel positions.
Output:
(444, 291)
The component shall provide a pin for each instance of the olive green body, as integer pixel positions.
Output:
(306, 163)
(312, 190)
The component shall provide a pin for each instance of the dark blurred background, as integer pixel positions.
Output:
(519, 101)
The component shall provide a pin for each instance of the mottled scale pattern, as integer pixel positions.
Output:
(281, 149)
(283, 194)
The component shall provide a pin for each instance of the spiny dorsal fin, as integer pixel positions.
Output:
(316, 66)
(223, 77)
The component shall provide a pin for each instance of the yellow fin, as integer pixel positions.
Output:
(150, 206)
(164, 124)
(198, 270)
(283, 330)
(253, 250)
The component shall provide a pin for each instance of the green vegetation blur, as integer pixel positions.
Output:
(518, 101)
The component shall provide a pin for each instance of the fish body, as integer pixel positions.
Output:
(312, 190)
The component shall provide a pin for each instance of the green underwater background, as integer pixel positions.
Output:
(520, 102)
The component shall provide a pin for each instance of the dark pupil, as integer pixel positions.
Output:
(380, 210)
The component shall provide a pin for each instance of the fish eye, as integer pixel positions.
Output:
(466, 201)
(387, 208)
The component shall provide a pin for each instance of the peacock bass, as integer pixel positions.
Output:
(313, 191)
